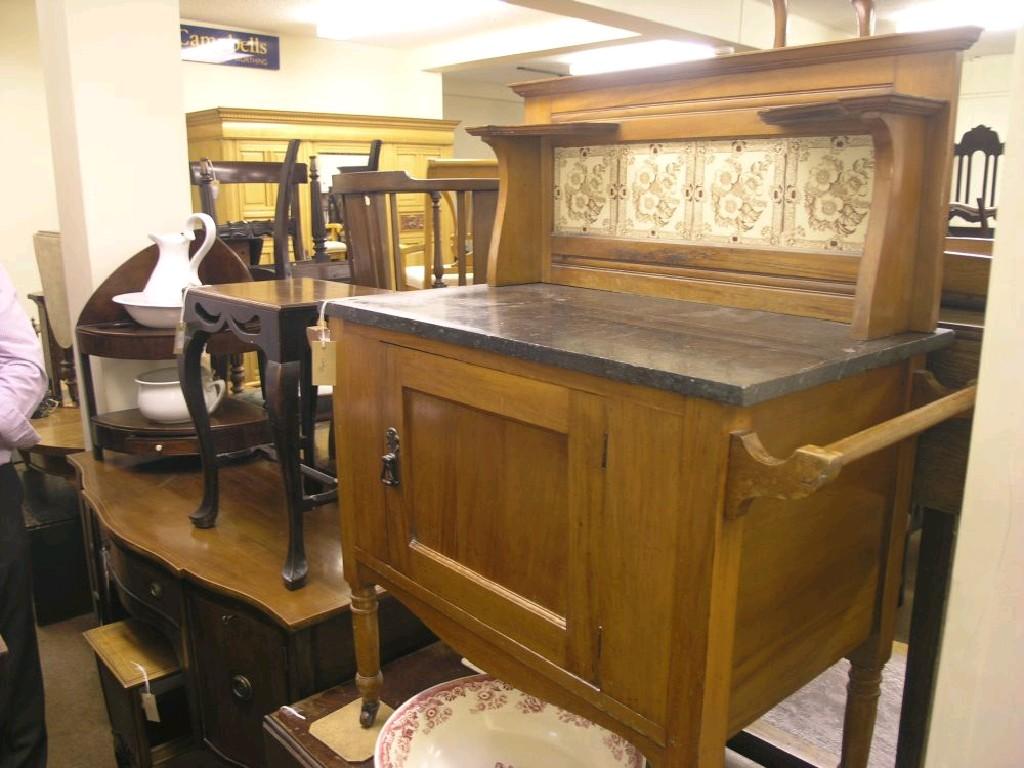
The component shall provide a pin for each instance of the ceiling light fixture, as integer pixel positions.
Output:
(652, 53)
(941, 14)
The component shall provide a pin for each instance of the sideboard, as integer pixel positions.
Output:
(247, 644)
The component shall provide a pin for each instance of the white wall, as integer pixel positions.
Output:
(27, 199)
(319, 76)
(985, 94)
(978, 718)
(756, 21)
(477, 103)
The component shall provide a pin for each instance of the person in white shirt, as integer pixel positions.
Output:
(23, 383)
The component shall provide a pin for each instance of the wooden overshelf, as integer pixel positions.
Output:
(852, 108)
(583, 130)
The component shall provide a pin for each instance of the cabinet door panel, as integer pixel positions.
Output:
(488, 514)
(242, 667)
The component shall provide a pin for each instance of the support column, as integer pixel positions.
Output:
(113, 78)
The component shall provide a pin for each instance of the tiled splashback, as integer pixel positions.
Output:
(792, 194)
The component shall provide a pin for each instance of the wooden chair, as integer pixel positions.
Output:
(286, 224)
(373, 233)
(327, 202)
(55, 316)
(973, 202)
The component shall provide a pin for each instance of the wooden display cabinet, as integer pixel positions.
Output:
(657, 471)
(227, 133)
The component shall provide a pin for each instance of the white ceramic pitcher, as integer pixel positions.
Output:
(174, 272)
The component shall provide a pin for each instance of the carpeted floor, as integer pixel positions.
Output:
(815, 713)
(80, 734)
(76, 716)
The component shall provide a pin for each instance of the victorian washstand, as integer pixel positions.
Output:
(657, 470)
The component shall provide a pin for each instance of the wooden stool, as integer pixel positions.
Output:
(133, 661)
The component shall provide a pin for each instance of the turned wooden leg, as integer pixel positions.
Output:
(282, 381)
(67, 373)
(237, 373)
(190, 376)
(367, 642)
(862, 693)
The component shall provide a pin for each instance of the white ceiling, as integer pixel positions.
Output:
(298, 18)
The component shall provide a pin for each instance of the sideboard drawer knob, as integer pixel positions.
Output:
(228, 619)
(155, 590)
(241, 687)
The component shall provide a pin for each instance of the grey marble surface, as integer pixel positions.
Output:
(736, 356)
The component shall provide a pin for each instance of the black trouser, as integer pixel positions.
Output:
(22, 726)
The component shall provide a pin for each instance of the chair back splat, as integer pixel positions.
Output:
(374, 230)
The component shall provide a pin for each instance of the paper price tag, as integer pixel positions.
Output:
(150, 708)
(322, 353)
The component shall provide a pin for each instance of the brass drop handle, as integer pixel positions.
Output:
(155, 590)
(241, 687)
(389, 468)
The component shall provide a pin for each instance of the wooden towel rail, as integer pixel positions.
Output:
(755, 473)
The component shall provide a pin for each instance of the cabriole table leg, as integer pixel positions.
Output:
(190, 376)
(282, 410)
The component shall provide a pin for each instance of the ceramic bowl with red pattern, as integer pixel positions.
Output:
(482, 722)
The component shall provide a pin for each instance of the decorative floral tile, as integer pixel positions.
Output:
(655, 190)
(738, 191)
(828, 193)
(584, 193)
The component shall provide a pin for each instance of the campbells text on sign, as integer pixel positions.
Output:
(230, 47)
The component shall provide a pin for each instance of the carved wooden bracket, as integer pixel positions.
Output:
(518, 225)
(900, 277)
(754, 473)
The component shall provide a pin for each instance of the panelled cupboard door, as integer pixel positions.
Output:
(500, 489)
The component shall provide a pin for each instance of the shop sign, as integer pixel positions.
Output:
(230, 47)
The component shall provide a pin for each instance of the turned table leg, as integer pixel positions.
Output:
(862, 692)
(282, 381)
(367, 643)
(236, 369)
(190, 375)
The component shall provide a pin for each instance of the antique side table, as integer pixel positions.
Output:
(272, 316)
